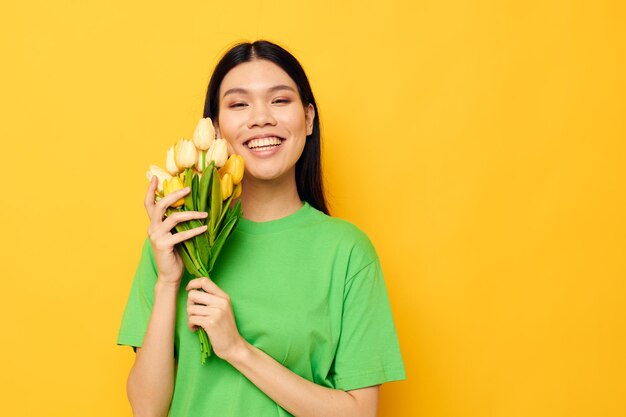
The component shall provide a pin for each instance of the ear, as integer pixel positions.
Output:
(309, 116)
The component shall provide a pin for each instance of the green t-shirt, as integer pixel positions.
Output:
(306, 289)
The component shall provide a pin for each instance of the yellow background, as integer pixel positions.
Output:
(480, 144)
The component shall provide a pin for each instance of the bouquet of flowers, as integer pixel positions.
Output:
(215, 178)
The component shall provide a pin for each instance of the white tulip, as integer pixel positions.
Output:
(160, 174)
(204, 135)
(218, 152)
(170, 162)
(185, 153)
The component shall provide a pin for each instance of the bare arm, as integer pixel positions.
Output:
(299, 396)
(151, 380)
(212, 310)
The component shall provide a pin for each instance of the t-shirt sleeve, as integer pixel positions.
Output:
(140, 301)
(368, 351)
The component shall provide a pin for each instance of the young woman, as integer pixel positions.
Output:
(296, 308)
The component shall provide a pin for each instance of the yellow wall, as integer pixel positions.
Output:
(480, 144)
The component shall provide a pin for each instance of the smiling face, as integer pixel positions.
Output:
(263, 118)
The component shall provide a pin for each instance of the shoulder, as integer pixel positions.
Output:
(349, 232)
(343, 234)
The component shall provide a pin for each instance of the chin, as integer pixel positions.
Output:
(269, 174)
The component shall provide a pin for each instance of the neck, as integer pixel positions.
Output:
(264, 201)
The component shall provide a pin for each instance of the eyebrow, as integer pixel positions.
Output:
(244, 91)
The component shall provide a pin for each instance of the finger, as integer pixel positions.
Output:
(173, 197)
(198, 310)
(191, 326)
(162, 205)
(206, 321)
(213, 305)
(195, 322)
(178, 217)
(197, 297)
(149, 199)
(207, 285)
(187, 234)
(181, 216)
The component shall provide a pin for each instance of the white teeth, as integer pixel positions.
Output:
(263, 142)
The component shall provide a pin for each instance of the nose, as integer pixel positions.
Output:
(261, 115)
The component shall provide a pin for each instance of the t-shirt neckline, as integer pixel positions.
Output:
(272, 226)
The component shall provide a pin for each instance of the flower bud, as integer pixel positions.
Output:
(170, 162)
(235, 167)
(160, 174)
(171, 185)
(218, 152)
(185, 153)
(227, 186)
(204, 135)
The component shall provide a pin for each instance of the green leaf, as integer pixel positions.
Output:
(203, 189)
(189, 245)
(225, 209)
(216, 205)
(221, 239)
(194, 191)
(238, 209)
(182, 250)
(189, 197)
(235, 211)
(201, 243)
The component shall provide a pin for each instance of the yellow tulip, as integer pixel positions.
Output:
(204, 135)
(235, 167)
(223, 170)
(160, 173)
(227, 186)
(185, 153)
(170, 162)
(218, 152)
(173, 184)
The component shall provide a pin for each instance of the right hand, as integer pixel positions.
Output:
(169, 263)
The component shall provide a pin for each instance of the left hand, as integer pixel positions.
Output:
(212, 311)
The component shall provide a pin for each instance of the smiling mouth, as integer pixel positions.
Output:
(262, 144)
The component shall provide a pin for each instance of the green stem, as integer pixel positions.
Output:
(205, 344)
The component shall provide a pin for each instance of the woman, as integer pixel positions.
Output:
(296, 309)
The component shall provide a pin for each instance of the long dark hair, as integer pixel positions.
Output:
(309, 179)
